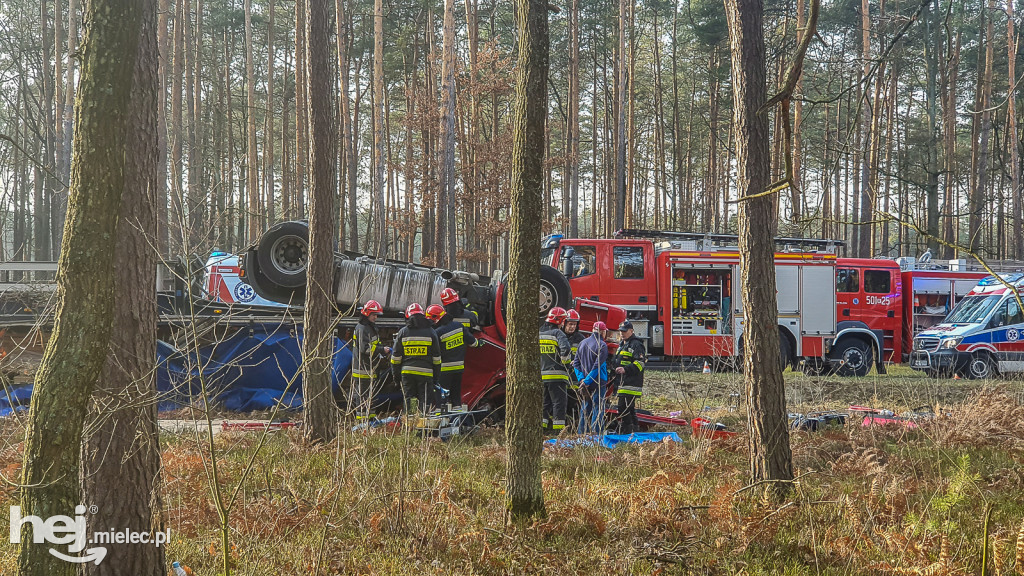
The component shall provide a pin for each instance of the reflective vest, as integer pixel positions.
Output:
(631, 356)
(366, 347)
(554, 354)
(417, 352)
(454, 339)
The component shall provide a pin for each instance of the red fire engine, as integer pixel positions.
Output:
(681, 292)
(880, 304)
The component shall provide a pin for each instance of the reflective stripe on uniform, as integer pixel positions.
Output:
(396, 359)
(558, 425)
(449, 366)
(630, 390)
(417, 371)
(356, 373)
(554, 377)
(638, 365)
(416, 340)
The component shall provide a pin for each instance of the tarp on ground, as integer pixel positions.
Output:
(250, 370)
(254, 369)
(613, 440)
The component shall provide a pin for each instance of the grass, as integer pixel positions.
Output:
(881, 500)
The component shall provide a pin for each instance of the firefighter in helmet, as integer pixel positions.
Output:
(628, 363)
(554, 361)
(416, 361)
(457, 309)
(367, 354)
(454, 339)
(571, 328)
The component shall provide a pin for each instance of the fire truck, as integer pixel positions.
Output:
(880, 304)
(682, 294)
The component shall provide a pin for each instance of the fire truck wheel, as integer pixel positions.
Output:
(981, 366)
(785, 352)
(554, 290)
(283, 254)
(857, 357)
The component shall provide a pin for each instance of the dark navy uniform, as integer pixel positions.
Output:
(554, 361)
(455, 339)
(416, 361)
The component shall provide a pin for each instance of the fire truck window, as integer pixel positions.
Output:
(847, 280)
(584, 260)
(876, 281)
(629, 262)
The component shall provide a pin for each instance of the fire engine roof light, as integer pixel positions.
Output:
(551, 241)
(217, 253)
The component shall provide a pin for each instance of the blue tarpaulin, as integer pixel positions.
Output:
(613, 440)
(250, 370)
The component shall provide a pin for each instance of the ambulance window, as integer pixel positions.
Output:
(847, 280)
(584, 260)
(1013, 313)
(876, 281)
(629, 262)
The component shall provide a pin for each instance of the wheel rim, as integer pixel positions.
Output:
(980, 367)
(547, 297)
(289, 255)
(853, 358)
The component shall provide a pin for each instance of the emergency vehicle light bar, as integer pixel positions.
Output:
(731, 238)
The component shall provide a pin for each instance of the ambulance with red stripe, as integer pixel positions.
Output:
(223, 283)
(982, 337)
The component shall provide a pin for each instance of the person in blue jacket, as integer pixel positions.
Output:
(591, 367)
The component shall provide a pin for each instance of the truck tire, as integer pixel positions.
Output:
(785, 351)
(857, 356)
(554, 291)
(283, 254)
(981, 367)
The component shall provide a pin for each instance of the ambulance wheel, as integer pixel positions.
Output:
(283, 254)
(981, 366)
(856, 355)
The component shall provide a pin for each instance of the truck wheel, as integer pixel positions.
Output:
(981, 366)
(785, 352)
(283, 254)
(857, 357)
(554, 290)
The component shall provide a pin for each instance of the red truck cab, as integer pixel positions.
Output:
(870, 290)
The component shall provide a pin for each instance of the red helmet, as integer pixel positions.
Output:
(435, 312)
(372, 307)
(449, 295)
(598, 326)
(572, 316)
(413, 308)
(556, 315)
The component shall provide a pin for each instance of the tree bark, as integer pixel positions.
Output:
(445, 241)
(253, 213)
(932, 45)
(162, 208)
(121, 456)
(268, 130)
(770, 457)
(524, 497)
(177, 76)
(977, 198)
(319, 411)
(77, 348)
(620, 123)
(1016, 248)
(379, 216)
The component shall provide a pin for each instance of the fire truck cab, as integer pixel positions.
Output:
(682, 293)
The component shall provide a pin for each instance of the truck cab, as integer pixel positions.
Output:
(981, 337)
(869, 291)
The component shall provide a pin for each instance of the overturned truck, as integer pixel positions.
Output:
(275, 266)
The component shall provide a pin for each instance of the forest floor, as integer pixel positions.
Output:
(876, 500)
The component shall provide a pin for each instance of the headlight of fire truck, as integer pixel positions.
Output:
(950, 343)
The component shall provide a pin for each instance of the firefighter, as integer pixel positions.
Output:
(571, 327)
(554, 360)
(368, 353)
(455, 307)
(416, 361)
(629, 369)
(590, 365)
(455, 339)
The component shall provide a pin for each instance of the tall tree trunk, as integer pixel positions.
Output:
(121, 455)
(770, 456)
(342, 38)
(1016, 248)
(254, 213)
(77, 348)
(268, 130)
(177, 77)
(977, 199)
(319, 412)
(867, 138)
(445, 241)
(572, 158)
(524, 495)
(301, 111)
(379, 110)
(161, 206)
(949, 77)
(932, 46)
(796, 186)
(620, 123)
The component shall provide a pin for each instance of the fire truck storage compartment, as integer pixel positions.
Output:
(935, 297)
(817, 296)
(701, 299)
